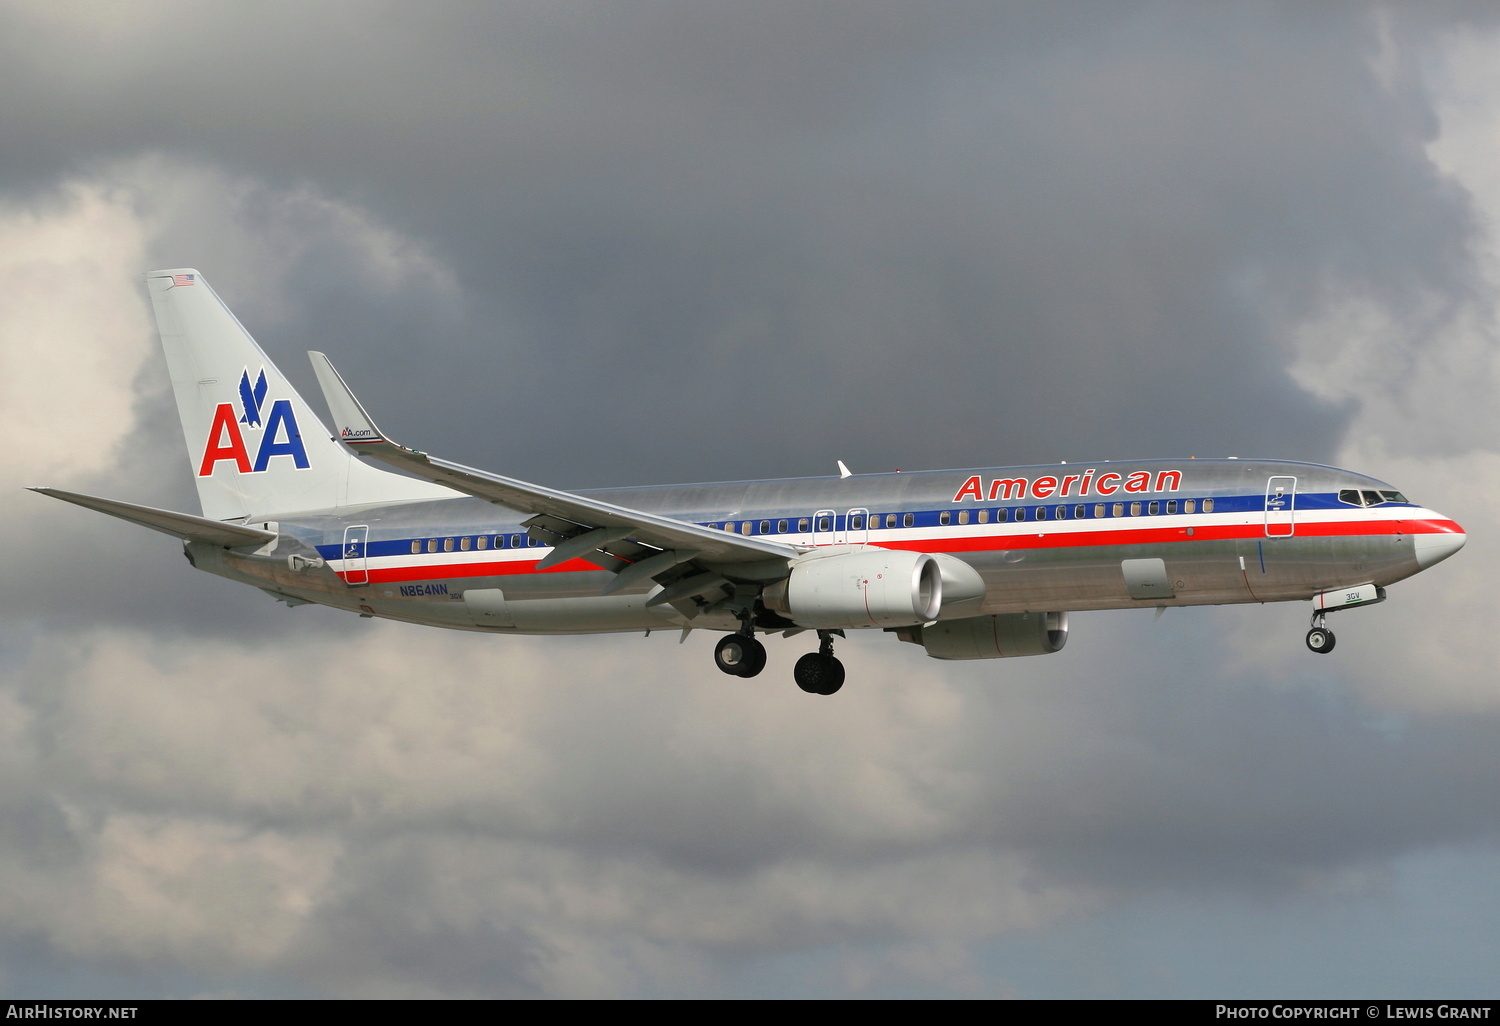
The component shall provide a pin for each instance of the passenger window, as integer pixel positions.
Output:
(1020, 514)
(1041, 512)
(482, 542)
(856, 523)
(963, 516)
(1062, 512)
(1002, 515)
(431, 544)
(1099, 510)
(1135, 509)
(765, 527)
(515, 541)
(416, 546)
(1188, 505)
(748, 527)
(447, 544)
(825, 523)
(984, 516)
(463, 543)
(1079, 512)
(802, 524)
(1171, 505)
(781, 526)
(890, 520)
(945, 518)
(1155, 508)
(908, 520)
(1119, 510)
(1208, 505)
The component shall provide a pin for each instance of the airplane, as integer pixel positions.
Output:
(968, 564)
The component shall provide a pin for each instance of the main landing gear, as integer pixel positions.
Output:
(740, 655)
(1320, 639)
(820, 672)
(817, 673)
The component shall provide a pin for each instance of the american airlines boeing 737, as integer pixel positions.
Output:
(969, 564)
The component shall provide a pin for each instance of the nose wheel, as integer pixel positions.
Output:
(1320, 639)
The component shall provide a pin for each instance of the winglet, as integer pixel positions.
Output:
(844, 471)
(351, 424)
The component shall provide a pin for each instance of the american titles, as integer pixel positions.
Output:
(1089, 482)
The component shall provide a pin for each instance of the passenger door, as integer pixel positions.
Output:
(1281, 507)
(356, 570)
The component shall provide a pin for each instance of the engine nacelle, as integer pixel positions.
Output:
(991, 637)
(869, 588)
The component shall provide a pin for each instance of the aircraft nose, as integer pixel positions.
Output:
(1434, 548)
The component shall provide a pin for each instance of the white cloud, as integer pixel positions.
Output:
(170, 889)
(73, 331)
(1423, 378)
(238, 807)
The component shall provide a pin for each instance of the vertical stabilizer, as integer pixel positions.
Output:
(255, 447)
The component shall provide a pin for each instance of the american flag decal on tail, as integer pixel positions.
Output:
(183, 279)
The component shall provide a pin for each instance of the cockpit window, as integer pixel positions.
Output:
(1369, 497)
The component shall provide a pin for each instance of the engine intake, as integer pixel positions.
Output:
(991, 637)
(871, 588)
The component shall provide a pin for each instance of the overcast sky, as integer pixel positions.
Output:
(608, 243)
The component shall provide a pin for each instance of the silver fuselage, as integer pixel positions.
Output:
(1044, 538)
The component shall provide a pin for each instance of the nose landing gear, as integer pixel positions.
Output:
(1320, 639)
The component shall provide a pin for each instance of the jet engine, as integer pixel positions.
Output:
(871, 588)
(991, 637)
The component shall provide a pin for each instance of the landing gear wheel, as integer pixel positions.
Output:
(1320, 640)
(819, 674)
(740, 655)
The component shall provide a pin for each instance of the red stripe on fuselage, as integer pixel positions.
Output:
(1044, 539)
(1050, 539)
(492, 568)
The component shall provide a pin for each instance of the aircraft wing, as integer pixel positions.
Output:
(179, 525)
(580, 527)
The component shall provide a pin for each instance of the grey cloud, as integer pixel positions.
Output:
(692, 242)
(907, 240)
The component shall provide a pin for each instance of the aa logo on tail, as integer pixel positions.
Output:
(279, 437)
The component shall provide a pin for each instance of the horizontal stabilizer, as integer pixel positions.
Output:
(179, 525)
